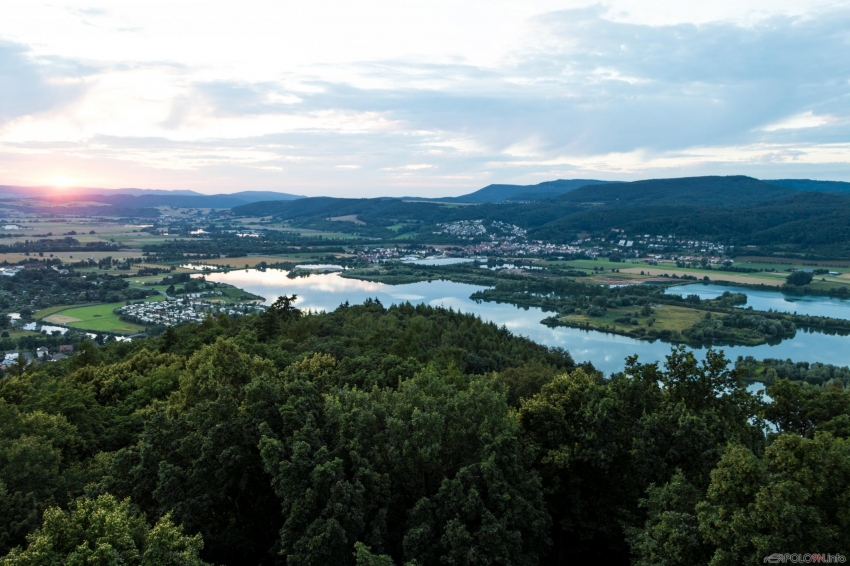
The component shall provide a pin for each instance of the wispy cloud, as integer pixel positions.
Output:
(410, 167)
(799, 121)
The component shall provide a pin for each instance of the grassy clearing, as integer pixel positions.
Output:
(100, 318)
(146, 279)
(51, 310)
(608, 278)
(827, 284)
(15, 334)
(232, 294)
(586, 264)
(666, 317)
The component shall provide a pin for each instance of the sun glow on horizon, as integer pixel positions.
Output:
(61, 181)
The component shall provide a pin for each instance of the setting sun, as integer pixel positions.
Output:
(61, 181)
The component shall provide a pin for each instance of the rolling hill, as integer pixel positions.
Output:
(735, 190)
(808, 185)
(501, 193)
(41, 197)
(737, 210)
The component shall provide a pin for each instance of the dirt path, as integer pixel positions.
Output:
(60, 319)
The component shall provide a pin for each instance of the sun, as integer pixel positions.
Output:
(61, 181)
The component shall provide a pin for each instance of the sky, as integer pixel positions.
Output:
(425, 98)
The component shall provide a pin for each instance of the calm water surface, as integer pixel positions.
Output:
(766, 300)
(607, 351)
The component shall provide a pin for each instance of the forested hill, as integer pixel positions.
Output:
(322, 208)
(407, 435)
(815, 222)
(812, 186)
(691, 191)
(732, 210)
(540, 191)
(694, 191)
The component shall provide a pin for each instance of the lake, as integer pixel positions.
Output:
(812, 305)
(325, 292)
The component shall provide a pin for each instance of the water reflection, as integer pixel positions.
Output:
(766, 300)
(607, 351)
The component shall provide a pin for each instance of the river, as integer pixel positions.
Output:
(325, 292)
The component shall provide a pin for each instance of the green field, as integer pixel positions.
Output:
(589, 264)
(15, 334)
(781, 263)
(821, 282)
(51, 310)
(666, 317)
(100, 318)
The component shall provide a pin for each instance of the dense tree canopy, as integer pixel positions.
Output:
(408, 435)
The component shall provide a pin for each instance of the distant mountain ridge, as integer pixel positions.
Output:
(550, 189)
(712, 191)
(734, 190)
(809, 185)
(708, 191)
(144, 198)
(736, 210)
(513, 193)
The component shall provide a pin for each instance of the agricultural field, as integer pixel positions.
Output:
(253, 261)
(588, 264)
(618, 278)
(183, 213)
(71, 257)
(821, 282)
(771, 279)
(80, 229)
(777, 279)
(779, 263)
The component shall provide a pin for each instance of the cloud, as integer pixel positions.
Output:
(798, 121)
(411, 167)
(579, 92)
(33, 84)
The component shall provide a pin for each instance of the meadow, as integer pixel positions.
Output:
(664, 317)
(95, 318)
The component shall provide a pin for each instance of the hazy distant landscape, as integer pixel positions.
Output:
(733, 285)
(424, 283)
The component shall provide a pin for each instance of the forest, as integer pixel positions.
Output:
(411, 435)
(39, 286)
(734, 210)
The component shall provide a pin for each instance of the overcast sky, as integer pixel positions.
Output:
(425, 98)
